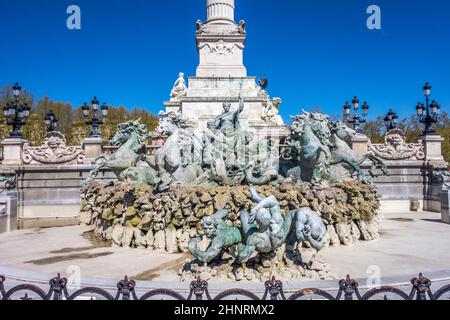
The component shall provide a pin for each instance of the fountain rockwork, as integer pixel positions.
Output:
(139, 217)
(167, 220)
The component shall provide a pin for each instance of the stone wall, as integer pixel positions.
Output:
(139, 217)
(51, 191)
(409, 180)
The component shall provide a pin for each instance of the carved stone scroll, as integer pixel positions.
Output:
(54, 150)
(396, 148)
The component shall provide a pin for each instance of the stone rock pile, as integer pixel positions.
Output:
(140, 217)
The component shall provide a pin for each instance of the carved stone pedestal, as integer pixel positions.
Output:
(12, 151)
(93, 148)
(360, 144)
(433, 147)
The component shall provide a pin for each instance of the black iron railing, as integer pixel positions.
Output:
(126, 290)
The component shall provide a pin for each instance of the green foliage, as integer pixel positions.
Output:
(70, 120)
(444, 131)
(375, 130)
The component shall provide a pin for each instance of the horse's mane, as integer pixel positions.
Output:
(134, 127)
(315, 121)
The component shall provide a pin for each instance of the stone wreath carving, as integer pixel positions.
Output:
(222, 48)
(54, 150)
(396, 148)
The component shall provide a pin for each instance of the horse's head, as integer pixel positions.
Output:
(126, 131)
(166, 127)
(120, 137)
(342, 131)
(170, 122)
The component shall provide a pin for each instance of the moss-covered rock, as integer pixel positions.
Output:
(344, 206)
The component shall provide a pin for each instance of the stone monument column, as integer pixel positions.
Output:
(12, 151)
(220, 11)
(221, 42)
(221, 77)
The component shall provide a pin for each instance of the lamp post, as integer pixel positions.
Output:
(429, 113)
(356, 120)
(50, 122)
(97, 112)
(16, 113)
(391, 120)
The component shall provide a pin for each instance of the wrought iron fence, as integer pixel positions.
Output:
(198, 290)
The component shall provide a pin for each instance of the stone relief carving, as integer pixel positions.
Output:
(222, 48)
(396, 148)
(179, 88)
(54, 150)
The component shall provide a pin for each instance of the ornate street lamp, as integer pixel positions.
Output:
(16, 114)
(356, 120)
(50, 121)
(97, 112)
(391, 120)
(428, 114)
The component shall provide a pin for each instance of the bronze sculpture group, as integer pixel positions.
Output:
(224, 153)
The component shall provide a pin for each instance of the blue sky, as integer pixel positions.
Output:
(314, 52)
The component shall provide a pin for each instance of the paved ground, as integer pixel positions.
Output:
(410, 243)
